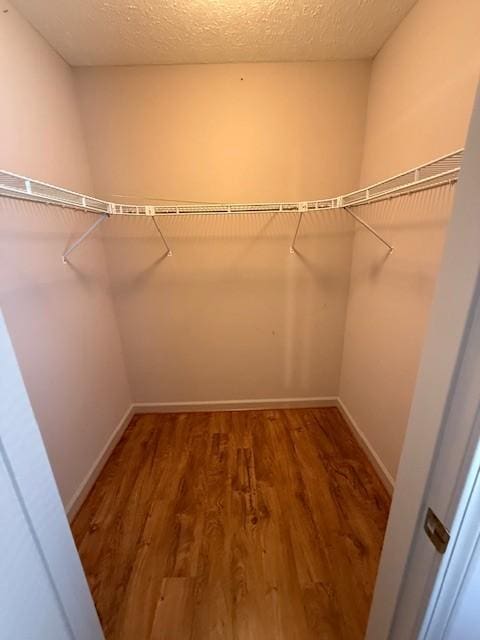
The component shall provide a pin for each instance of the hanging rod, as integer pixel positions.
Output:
(434, 173)
(438, 172)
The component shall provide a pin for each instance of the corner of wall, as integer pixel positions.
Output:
(388, 307)
(76, 301)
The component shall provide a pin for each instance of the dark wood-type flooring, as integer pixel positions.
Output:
(251, 525)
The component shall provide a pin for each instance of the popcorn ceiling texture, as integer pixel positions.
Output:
(131, 32)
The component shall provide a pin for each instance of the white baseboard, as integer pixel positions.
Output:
(79, 496)
(380, 468)
(222, 405)
(233, 405)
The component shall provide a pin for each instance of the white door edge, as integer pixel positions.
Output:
(453, 301)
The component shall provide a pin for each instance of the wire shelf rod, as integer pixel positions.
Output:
(417, 189)
(454, 155)
(29, 189)
(402, 189)
(433, 174)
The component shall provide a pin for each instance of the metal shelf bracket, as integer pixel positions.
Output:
(302, 207)
(150, 211)
(85, 235)
(369, 228)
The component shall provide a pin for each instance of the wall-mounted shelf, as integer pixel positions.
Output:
(435, 173)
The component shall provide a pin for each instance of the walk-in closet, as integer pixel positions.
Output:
(222, 224)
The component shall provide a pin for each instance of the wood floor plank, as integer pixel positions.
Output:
(249, 525)
(213, 596)
(174, 612)
(158, 546)
(112, 520)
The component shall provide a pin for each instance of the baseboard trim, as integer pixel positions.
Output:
(233, 405)
(382, 471)
(79, 496)
(223, 405)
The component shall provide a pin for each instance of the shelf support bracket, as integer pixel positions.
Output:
(85, 235)
(150, 211)
(369, 228)
(302, 207)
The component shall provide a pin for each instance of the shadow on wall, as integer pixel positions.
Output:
(34, 238)
(388, 309)
(232, 314)
(415, 224)
(227, 246)
(64, 330)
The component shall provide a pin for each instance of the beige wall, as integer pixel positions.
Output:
(60, 318)
(231, 132)
(41, 134)
(232, 315)
(422, 87)
(421, 94)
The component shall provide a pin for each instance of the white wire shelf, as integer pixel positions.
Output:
(441, 171)
(432, 174)
(13, 185)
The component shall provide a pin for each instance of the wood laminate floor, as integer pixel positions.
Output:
(252, 525)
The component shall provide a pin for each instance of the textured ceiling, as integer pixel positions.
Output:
(125, 32)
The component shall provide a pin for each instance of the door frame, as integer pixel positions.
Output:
(456, 298)
(452, 582)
